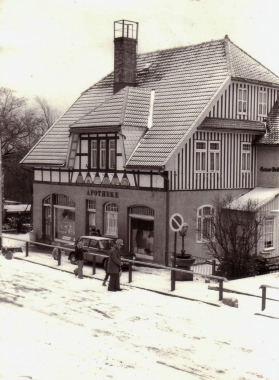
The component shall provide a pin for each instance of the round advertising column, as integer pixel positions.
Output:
(184, 262)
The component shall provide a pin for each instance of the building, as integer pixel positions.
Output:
(162, 134)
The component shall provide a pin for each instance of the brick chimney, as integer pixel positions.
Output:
(125, 54)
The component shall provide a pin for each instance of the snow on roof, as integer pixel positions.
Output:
(259, 195)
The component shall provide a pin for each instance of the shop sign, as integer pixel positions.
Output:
(273, 169)
(100, 193)
(176, 222)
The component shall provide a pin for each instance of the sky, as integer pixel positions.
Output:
(56, 49)
(54, 326)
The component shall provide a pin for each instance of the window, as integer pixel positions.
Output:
(103, 153)
(111, 154)
(242, 101)
(64, 218)
(200, 156)
(262, 101)
(269, 233)
(94, 161)
(204, 223)
(91, 210)
(111, 219)
(245, 157)
(214, 156)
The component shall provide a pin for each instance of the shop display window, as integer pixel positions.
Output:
(64, 224)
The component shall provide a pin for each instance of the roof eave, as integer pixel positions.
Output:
(254, 81)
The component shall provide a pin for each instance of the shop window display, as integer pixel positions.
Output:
(64, 224)
(142, 236)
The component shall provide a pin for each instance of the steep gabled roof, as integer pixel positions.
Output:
(185, 81)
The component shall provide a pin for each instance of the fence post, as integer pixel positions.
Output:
(130, 272)
(220, 290)
(94, 265)
(26, 249)
(263, 297)
(0, 242)
(213, 267)
(59, 256)
(173, 273)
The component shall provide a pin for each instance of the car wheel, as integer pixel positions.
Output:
(72, 259)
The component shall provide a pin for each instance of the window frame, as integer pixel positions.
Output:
(200, 221)
(200, 150)
(263, 102)
(108, 218)
(272, 233)
(216, 160)
(105, 156)
(242, 101)
(246, 153)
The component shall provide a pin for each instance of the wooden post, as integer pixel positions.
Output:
(213, 267)
(0, 242)
(173, 264)
(59, 256)
(94, 265)
(263, 297)
(130, 272)
(26, 249)
(220, 290)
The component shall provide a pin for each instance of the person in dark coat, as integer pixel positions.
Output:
(79, 258)
(93, 232)
(98, 233)
(114, 266)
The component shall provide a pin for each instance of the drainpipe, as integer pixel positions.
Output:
(167, 181)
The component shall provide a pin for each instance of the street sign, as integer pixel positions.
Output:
(176, 222)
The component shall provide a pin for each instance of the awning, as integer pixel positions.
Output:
(259, 195)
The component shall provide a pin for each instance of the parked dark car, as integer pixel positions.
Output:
(97, 244)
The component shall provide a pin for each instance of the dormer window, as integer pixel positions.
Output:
(103, 153)
(242, 101)
(262, 102)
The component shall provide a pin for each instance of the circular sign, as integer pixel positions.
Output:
(176, 222)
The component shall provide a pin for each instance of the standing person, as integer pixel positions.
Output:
(114, 266)
(79, 258)
(98, 233)
(93, 232)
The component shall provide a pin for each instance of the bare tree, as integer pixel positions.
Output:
(231, 234)
(49, 115)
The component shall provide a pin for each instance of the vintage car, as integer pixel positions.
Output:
(98, 244)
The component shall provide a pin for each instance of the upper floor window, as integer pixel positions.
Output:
(242, 101)
(245, 157)
(207, 156)
(103, 153)
(262, 102)
(204, 223)
(214, 156)
(200, 156)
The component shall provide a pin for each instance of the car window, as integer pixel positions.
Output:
(85, 242)
(106, 244)
(94, 243)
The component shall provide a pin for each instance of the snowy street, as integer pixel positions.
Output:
(55, 326)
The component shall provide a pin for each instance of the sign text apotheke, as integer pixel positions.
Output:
(273, 169)
(100, 193)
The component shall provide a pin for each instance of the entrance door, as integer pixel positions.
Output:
(142, 231)
(47, 222)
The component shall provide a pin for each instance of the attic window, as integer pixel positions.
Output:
(145, 69)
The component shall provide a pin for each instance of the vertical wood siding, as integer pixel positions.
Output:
(229, 176)
(226, 107)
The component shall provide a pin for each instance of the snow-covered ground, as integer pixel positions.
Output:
(54, 326)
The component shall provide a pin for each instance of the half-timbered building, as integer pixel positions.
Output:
(163, 133)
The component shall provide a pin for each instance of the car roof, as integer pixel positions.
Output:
(95, 237)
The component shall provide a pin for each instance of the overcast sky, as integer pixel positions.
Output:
(58, 48)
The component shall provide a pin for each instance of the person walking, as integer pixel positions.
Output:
(114, 266)
(79, 258)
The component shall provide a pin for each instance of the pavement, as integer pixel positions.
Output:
(247, 291)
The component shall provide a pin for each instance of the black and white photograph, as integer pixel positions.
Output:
(139, 153)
